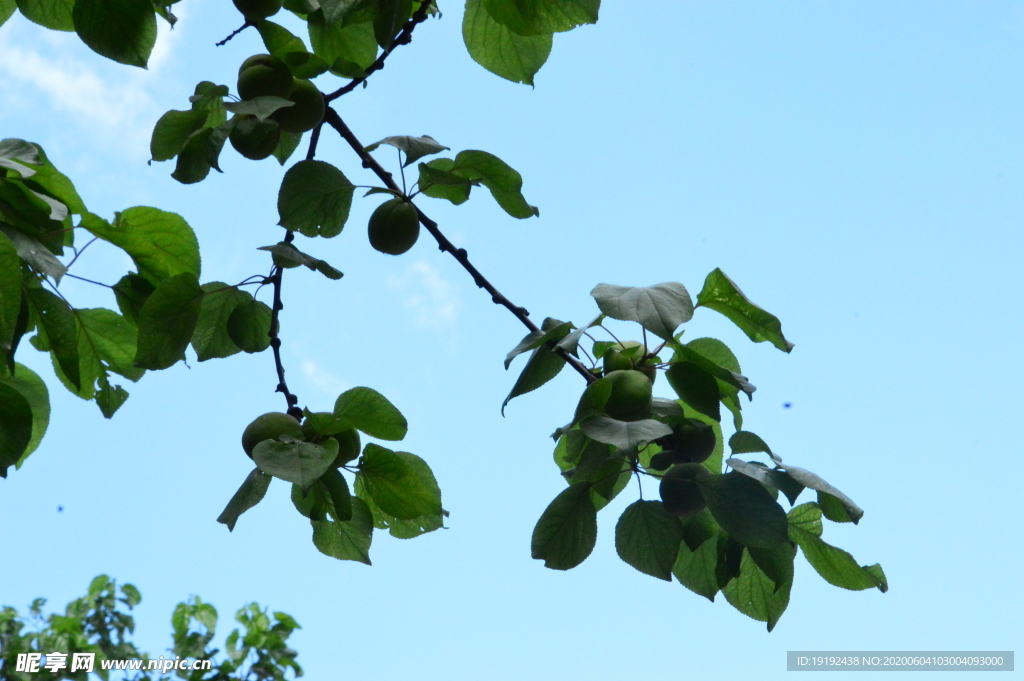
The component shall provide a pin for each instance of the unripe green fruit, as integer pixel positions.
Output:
(253, 138)
(263, 75)
(631, 396)
(270, 426)
(254, 10)
(680, 493)
(693, 441)
(662, 460)
(616, 360)
(394, 227)
(348, 446)
(308, 110)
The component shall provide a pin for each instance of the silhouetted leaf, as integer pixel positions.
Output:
(248, 495)
(567, 530)
(660, 308)
(499, 50)
(648, 538)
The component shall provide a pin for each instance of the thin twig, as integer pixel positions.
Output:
(403, 38)
(98, 283)
(314, 140)
(79, 253)
(238, 30)
(275, 340)
(332, 118)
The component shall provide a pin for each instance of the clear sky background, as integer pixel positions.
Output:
(857, 168)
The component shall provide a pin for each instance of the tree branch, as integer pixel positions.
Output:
(275, 340)
(332, 118)
(238, 30)
(403, 38)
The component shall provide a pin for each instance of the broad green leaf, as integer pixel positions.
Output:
(132, 292)
(211, 338)
(773, 478)
(571, 342)
(348, 540)
(339, 42)
(567, 530)
(534, 17)
(837, 567)
(25, 209)
(415, 148)
(47, 179)
(414, 527)
(844, 512)
(499, 50)
(610, 482)
(173, 130)
(7, 9)
(695, 387)
(210, 97)
(314, 503)
(695, 568)
(625, 435)
(807, 517)
(10, 291)
(109, 398)
(593, 400)
(437, 181)
(109, 339)
(160, 243)
(315, 199)
(252, 491)
(249, 325)
(832, 507)
(504, 182)
(370, 412)
(33, 389)
(660, 308)
(291, 50)
(553, 330)
(722, 295)
(543, 365)
(713, 462)
(122, 30)
(260, 107)
(730, 382)
(745, 509)
(395, 486)
(58, 330)
(753, 593)
(52, 14)
(34, 253)
(293, 256)
(15, 426)
(167, 321)
(337, 489)
(777, 564)
(287, 146)
(301, 463)
(201, 152)
(745, 442)
(391, 14)
(648, 538)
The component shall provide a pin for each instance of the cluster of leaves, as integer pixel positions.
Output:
(395, 491)
(100, 623)
(733, 535)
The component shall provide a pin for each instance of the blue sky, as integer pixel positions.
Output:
(855, 167)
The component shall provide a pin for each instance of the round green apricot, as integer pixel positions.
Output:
(270, 426)
(263, 75)
(308, 110)
(680, 492)
(631, 396)
(394, 227)
(254, 10)
(253, 138)
(693, 441)
(348, 446)
(615, 359)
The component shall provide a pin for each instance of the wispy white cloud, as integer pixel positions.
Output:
(321, 379)
(435, 303)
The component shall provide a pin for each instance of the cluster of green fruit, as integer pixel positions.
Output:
(274, 425)
(632, 373)
(263, 75)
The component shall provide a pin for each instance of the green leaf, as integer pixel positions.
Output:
(15, 426)
(833, 508)
(543, 365)
(132, 292)
(395, 486)
(52, 14)
(534, 17)
(571, 342)
(391, 14)
(349, 540)
(34, 253)
(301, 463)
(567, 530)
(648, 538)
(837, 567)
(291, 50)
(252, 491)
(201, 153)
(844, 512)
(807, 517)
(109, 398)
(46, 178)
(753, 593)
(370, 412)
(414, 527)
(173, 130)
(722, 295)
(122, 30)
(290, 254)
(745, 509)
(730, 382)
(315, 199)
(287, 146)
(777, 564)
(625, 435)
(337, 489)
(249, 326)
(772, 478)
(58, 329)
(504, 182)
(167, 321)
(696, 387)
(7, 9)
(211, 338)
(10, 291)
(695, 567)
(437, 181)
(339, 42)
(660, 308)
(160, 243)
(33, 389)
(593, 400)
(553, 330)
(499, 50)
(745, 442)
(415, 148)
(260, 107)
